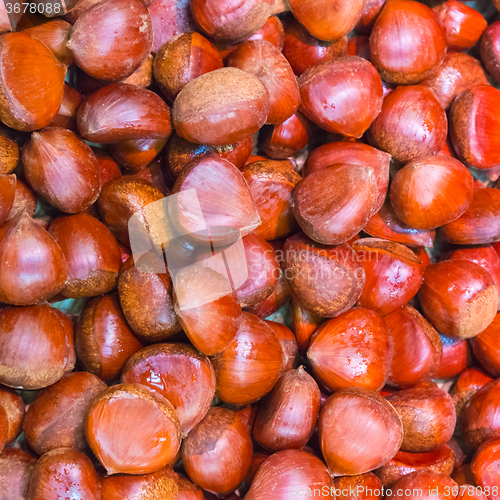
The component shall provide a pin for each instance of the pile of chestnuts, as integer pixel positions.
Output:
(249, 249)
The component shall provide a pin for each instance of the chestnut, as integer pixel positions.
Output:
(369, 15)
(334, 203)
(326, 281)
(289, 470)
(442, 459)
(146, 299)
(424, 484)
(113, 421)
(249, 367)
(412, 122)
(287, 416)
(325, 20)
(8, 185)
(271, 184)
(361, 487)
(183, 59)
(288, 343)
(111, 39)
(56, 418)
(31, 82)
(373, 441)
(48, 356)
(420, 191)
(428, 416)
(180, 374)
(474, 126)
(458, 297)
(490, 50)
(61, 471)
(456, 357)
(485, 467)
(342, 96)
(13, 407)
(9, 154)
(265, 61)
(407, 42)
(351, 350)
(485, 347)
(303, 50)
(417, 347)
(241, 108)
(120, 486)
(135, 154)
(103, 338)
(479, 224)
(217, 453)
(272, 31)
(304, 324)
(229, 23)
(458, 72)
(16, 468)
(393, 274)
(121, 111)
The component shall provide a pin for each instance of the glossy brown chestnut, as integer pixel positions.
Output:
(286, 470)
(13, 407)
(417, 347)
(304, 324)
(288, 343)
(111, 40)
(351, 350)
(428, 416)
(207, 308)
(375, 439)
(56, 418)
(265, 61)
(217, 453)
(464, 25)
(370, 14)
(132, 430)
(91, 252)
(441, 460)
(480, 420)
(272, 31)
(287, 415)
(7, 195)
(327, 281)
(490, 50)
(31, 82)
(458, 72)
(421, 191)
(239, 110)
(103, 338)
(475, 126)
(32, 264)
(303, 50)
(485, 467)
(225, 218)
(393, 274)
(120, 111)
(61, 471)
(457, 356)
(458, 297)
(407, 43)
(412, 122)
(362, 487)
(334, 203)
(327, 21)
(16, 467)
(66, 116)
(479, 224)
(486, 349)
(180, 374)
(183, 59)
(135, 154)
(342, 96)
(424, 484)
(146, 299)
(251, 364)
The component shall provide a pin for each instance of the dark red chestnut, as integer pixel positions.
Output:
(16, 468)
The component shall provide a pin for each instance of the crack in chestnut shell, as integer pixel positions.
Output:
(16, 468)
(407, 43)
(163, 484)
(56, 418)
(217, 453)
(31, 82)
(61, 472)
(231, 21)
(146, 299)
(373, 441)
(32, 264)
(132, 430)
(221, 107)
(353, 349)
(342, 96)
(287, 470)
(111, 39)
(263, 60)
(180, 374)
